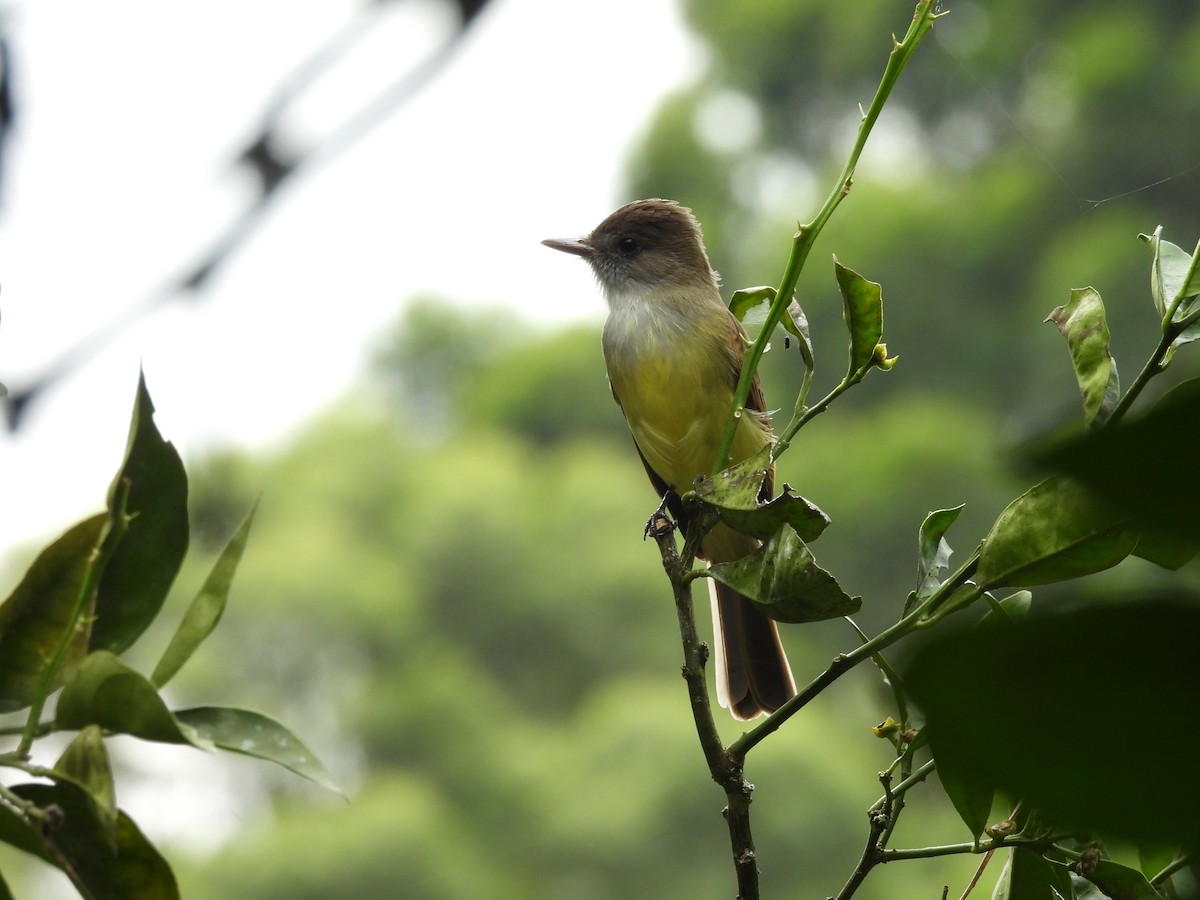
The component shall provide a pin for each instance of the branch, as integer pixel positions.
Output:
(880, 818)
(726, 770)
(806, 234)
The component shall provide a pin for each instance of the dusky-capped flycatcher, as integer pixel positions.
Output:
(673, 352)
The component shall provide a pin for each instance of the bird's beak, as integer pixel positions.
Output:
(577, 247)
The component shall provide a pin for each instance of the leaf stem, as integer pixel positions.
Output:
(802, 417)
(26, 808)
(919, 775)
(806, 234)
(1152, 367)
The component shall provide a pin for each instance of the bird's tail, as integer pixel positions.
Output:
(753, 675)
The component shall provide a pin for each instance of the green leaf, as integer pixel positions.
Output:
(85, 763)
(784, 581)
(1173, 273)
(796, 322)
(1056, 531)
(1166, 549)
(74, 840)
(793, 319)
(1175, 287)
(735, 492)
(1029, 876)
(36, 614)
(1015, 606)
(206, 609)
(1082, 322)
(1139, 466)
(737, 487)
(746, 299)
(254, 734)
(135, 583)
(1121, 883)
(933, 553)
(789, 508)
(108, 693)
(862, 307)
(970, 795)
(1082, 714)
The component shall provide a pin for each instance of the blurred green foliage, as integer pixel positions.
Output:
(478, 629)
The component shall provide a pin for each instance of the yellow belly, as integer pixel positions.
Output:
(677, 404)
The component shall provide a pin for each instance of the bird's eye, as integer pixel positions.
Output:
(628, 246)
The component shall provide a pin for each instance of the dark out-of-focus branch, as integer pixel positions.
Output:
(273, 163)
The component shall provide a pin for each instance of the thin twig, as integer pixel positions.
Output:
(987, 857)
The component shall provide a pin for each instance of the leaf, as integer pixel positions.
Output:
(1015, 606)
(35, 615)
(933, 553)
(789, 508)
(5, 893)
(1121, 883)
(1082, 322)
(796, 322)
(746, 299)
(108, 693)
(74, 840)
(1028, 875)
(1172, 272)
(970, 795)
(793, 319)
(735, 492)
(206, 609)
(1080, 714)
(1166, 549)
(144, 565)
(1174, 282)
(784, 581)
(85, 763)
(1139, 465)
(1056, 531)
(737, 487)
(254, 734)
(862, 307)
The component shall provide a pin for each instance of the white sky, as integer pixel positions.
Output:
(119, 175)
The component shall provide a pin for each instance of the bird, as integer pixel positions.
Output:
(674, 353)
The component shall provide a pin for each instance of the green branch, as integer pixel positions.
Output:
(1152, 367)
(973, 847)
(844, 662)
(806, 234)
(802, 418)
